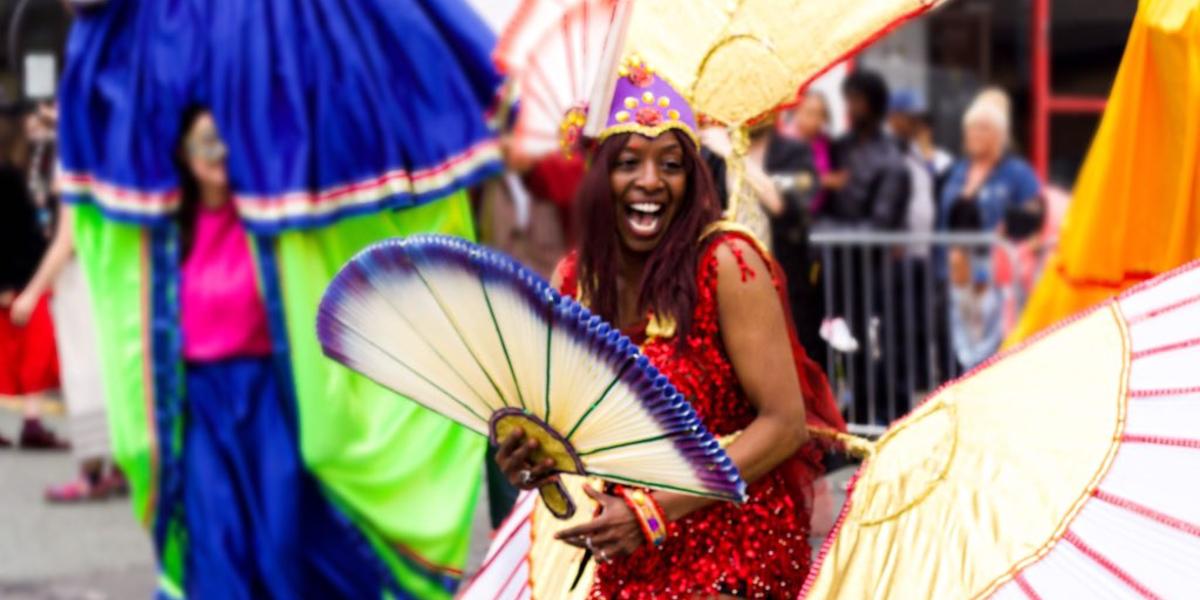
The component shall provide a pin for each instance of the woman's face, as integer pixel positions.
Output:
(205, 153)
(982, 139)
(811, 117)
(648, 183)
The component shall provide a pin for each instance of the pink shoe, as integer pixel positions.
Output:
(72, 492)
(113, 484)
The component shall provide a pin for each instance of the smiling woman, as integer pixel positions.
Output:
(649, 181)
(705, 303)
(644, 204)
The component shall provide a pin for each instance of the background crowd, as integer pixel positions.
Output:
(886, 173)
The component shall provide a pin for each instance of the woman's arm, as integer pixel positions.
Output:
(52, 264)
(754, 329)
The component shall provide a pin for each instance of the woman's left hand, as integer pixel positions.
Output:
(614, 532)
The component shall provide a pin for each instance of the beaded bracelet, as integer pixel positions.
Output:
(649, 514)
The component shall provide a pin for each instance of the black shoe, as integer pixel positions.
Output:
(35, 436)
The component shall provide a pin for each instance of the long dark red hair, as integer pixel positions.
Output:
(668, 285)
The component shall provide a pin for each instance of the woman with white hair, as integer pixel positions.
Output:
(990, 183)
(989, 189)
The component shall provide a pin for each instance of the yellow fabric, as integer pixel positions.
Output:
(737, 59)
(983, 478)
(1136, 205)
(553, 565)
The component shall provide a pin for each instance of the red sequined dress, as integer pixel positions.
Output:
(758, 549)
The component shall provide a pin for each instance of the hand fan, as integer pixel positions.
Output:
(553, 51)
(470, 334)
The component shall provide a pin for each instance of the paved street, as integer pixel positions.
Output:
(89, 552)
(94, 551)
(98, 551)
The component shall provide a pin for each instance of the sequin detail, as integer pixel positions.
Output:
(758, 549)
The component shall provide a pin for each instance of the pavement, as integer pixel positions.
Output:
(95, 551)
(98, 551)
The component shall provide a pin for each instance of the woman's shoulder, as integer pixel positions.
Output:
(1020, 176)
(732, 252)
(1015, 166)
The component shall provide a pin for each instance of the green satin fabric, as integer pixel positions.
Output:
(410, 476)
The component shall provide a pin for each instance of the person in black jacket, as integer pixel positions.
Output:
(871, 183)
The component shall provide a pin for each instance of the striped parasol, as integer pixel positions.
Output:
(553, 51)
(1063, 469)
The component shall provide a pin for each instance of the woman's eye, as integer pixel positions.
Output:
(626, 163)
(672, 165)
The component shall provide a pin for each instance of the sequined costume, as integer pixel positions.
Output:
(758, 549)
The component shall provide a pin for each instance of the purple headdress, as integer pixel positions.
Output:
(641, 102)
(645, 103)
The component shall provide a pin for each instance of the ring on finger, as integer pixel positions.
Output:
(587, 541)
(526, 477)
(603, 556)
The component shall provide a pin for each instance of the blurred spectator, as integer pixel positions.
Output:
(989, 178)
(922, 202)
(28, 361)
(976, 308)
(809, 123)
(928, 165)
(79, 361)
(41, 134)
(938, 159)
(988, 190)
(871, 182)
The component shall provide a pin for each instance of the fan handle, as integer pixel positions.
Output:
(551, 444)
(557, 501)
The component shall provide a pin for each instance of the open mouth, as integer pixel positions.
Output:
(645, 218)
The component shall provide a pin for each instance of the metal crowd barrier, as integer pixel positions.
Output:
(892, 292)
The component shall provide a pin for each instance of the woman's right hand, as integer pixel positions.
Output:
(515, 459)
(22, 309)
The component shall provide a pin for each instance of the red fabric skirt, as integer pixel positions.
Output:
(28, 356)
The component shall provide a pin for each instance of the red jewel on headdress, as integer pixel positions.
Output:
(648, 116)
(640, 75)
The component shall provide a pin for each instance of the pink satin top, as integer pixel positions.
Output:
(221, 310)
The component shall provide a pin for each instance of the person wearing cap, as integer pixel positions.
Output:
(904, 122)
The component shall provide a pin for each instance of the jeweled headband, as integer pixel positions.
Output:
(642, 103)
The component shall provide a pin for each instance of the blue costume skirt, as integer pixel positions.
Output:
(258, 524)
